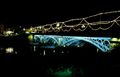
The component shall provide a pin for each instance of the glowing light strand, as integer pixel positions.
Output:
(84, 24)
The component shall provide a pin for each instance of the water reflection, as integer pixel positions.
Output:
(56, 62)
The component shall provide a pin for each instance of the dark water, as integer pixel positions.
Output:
(82, 62)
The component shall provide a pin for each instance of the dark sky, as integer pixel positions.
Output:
(40, 14)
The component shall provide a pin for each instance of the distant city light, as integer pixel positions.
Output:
(30, 37)
(9, 50)
(27, 32)
(44, 53)
(15, 52)
(54, 51)
(23, 29)
(114, 39)
(16, 33)
(34, 48)
(62, 51)
(7, 33)
(78, 46)
(97, 50)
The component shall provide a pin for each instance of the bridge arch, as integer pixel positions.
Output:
(101, 43)
(101, 47)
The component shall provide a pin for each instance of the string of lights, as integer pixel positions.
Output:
(83, 24)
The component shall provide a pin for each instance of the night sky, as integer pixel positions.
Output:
(47, 13)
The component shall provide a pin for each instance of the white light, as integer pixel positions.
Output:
(16, 33)
(15, 52)
(54, 51)
(97, 50)
(27, 32)
(31, 29)
(44, 52)
(58, 25)
(32, 32)
(40, 27)
(7, 33)
(9, 50)
(34, 48)
(83, 26)
(23, 29)
(62, 52)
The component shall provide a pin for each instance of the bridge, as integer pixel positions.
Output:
(72, 41)
(99, 22)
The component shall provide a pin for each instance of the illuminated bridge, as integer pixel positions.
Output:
(103, 26)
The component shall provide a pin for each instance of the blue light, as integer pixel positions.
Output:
(48, 47)
(103, 43)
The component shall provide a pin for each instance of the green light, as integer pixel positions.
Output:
(119, 40)
(114, 39)
(30, 37)
(65, 73)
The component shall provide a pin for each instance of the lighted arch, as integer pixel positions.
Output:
(103, 43)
